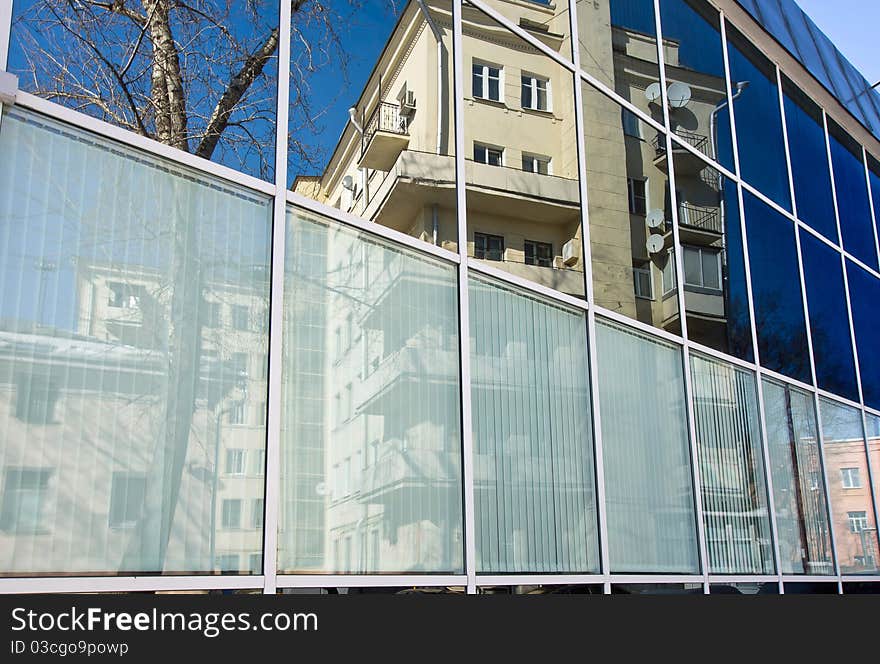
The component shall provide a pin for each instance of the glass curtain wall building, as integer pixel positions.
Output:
(514, 296)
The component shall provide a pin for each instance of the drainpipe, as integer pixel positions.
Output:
(352, 116)
(438, 35)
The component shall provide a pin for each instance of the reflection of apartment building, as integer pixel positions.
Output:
(104, 384)
(851, 503)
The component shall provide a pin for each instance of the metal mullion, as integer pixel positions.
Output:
(681, 144)
(467, 439)
(272, 502)
(538, 579)
(108, 584)
(718, 355)
(476, 265)
(786, 144)
(874, 212)
(775, 375)
(616, 98)
(371, 228)
(872, 411)
(592, 349)
(843, 400)
(678, 251)
(130, 139)
(632, 323)
(367, 581)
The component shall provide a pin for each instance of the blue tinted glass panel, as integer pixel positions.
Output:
(779, 312)
(758, 120)
(874, 177)
(698, 60)
(637, 15)
(809, 162)
(864, 293)
(829, 323)
(853, 204)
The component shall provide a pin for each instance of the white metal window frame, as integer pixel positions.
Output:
(647, 271)
(270, 581)
(488, 150)
(534, 161)
(701, 251)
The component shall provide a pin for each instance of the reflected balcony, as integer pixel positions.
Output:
(686, 162)
(385, 136)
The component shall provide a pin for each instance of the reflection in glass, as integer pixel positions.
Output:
(648, 475)
(829, 321)
(872, 422)
(523, 197)
(874, 180)
(133, 341)
(852, 506)
(728, 434)
(864, 292)
(754, 588)
(853, 204)
(694, 60)
(715, 293)
(779, 309)
(371, 128)
(809, 161)
(758, 119)
(798, 484)
(630, 212)
(200, 77)
(370, 445)
(631, 40)
(533, 447)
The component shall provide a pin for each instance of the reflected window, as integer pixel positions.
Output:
(643, 282)
(858, 521)
(487, 82)
(536, 164)
(536, 93)
(126, 499)
(25, 494)
(637, 189)
(702, 267)
(539, 253)
(850, 478)
(485, 154)
(488, 247)
(231, 514)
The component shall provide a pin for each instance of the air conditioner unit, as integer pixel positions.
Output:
(571, 252)
(407, 100)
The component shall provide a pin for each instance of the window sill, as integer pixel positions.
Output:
(500, 103)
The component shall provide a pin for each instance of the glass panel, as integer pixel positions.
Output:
(595, 589)
(864, 292)
(853, 204)
(504, 199)
(372, 129)
(199, 77)
(628, 50)
(119, 388)
(829, 322)
(548, 20)
(754, 588)
(873, 428)
(861, 588)
(630, 209)
(830, 588)
(648, 474)
(798, 484)
(779, 308)
(695, 588)
(809, 161)
(874, 178)
(728, 432)
(709, 220)
(852, 506)
(697, 94)
(370, 440)
(533, 445)
(758, 119)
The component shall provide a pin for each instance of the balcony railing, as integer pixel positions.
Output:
(386, 117)
(697, 141)
(701, 217)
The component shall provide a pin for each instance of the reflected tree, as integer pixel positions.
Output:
(200, 76)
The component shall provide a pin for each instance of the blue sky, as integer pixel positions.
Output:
(852, 25)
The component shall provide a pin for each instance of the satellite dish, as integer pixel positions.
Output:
(654, 244)
(679, 95)
(655, 219)
(653, 92)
